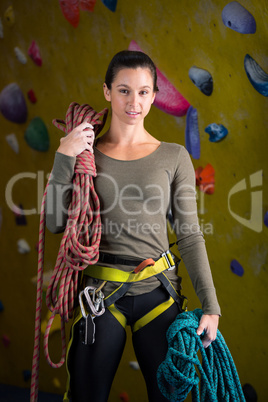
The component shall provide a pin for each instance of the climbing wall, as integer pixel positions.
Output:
(212, 65)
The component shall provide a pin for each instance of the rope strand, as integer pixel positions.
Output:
(219, 378)
(79, 246)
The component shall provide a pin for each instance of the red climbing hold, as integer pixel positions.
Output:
(124, 397)
(31, 96)
(34, 53)
(87, 5)
(205, 179)
(6, 341)
(70, 10)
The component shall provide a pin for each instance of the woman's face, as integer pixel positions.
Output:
(131, 94)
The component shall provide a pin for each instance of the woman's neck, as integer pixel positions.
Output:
(127, 143)
(126, 135)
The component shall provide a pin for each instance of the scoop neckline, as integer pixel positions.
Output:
(129, 160)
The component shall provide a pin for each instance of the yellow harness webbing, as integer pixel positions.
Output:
(116, 275)
(126, 279)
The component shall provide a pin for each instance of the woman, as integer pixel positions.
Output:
(139, 181)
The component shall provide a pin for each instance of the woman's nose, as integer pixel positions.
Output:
(133, 99)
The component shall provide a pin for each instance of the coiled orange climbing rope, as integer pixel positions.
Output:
(80, 242)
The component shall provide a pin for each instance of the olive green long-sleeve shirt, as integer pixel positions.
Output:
(136, 198)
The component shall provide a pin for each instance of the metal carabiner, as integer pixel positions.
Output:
(83, 311)
(93, 303)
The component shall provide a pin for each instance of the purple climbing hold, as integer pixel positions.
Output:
(266, 219)
(192, 137)
(19, 215)
(237, 268)
(12, 104)
(238, 18)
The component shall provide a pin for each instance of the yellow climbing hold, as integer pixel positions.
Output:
(9, 16)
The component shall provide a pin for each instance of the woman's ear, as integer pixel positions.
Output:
(106, 92)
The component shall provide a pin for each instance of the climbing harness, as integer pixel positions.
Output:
(219, 378)
(144, 270)
(78, 248)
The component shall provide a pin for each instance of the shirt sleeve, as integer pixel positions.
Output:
(59, 192)
(190, 240)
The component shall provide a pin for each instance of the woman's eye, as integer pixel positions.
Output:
(123, 91)
(144, 92)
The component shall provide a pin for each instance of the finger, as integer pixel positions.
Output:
(200, 329)
(89, 133)
(206, 344)
(86, 125)
(89, 148)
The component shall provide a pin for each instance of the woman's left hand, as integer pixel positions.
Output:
(209, 323)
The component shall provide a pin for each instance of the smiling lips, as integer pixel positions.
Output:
(133, 113)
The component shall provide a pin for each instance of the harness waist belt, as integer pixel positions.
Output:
(116, 275)
(116, 260)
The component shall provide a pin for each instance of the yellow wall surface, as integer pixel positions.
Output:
(177, 35)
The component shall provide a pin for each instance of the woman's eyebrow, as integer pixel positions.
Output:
(126, 86)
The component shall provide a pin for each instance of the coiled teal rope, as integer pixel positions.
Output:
(177, 375)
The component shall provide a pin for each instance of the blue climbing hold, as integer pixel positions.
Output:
(216, 132)
(1, 306)
(192, 137)
(237, 268)
(202, 79)
(265, 220)
(238, 18)
(256, 75)
(111, 4)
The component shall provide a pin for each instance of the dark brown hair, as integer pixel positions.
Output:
(130, 59)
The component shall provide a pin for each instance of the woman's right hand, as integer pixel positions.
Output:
(79, 139)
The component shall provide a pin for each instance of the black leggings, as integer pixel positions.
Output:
(92, 367)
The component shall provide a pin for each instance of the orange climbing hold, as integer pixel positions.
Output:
(205, 179)
(87, 5)
(124, 397)
(70, 10)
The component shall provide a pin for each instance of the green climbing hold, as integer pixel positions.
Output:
(36, 135)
